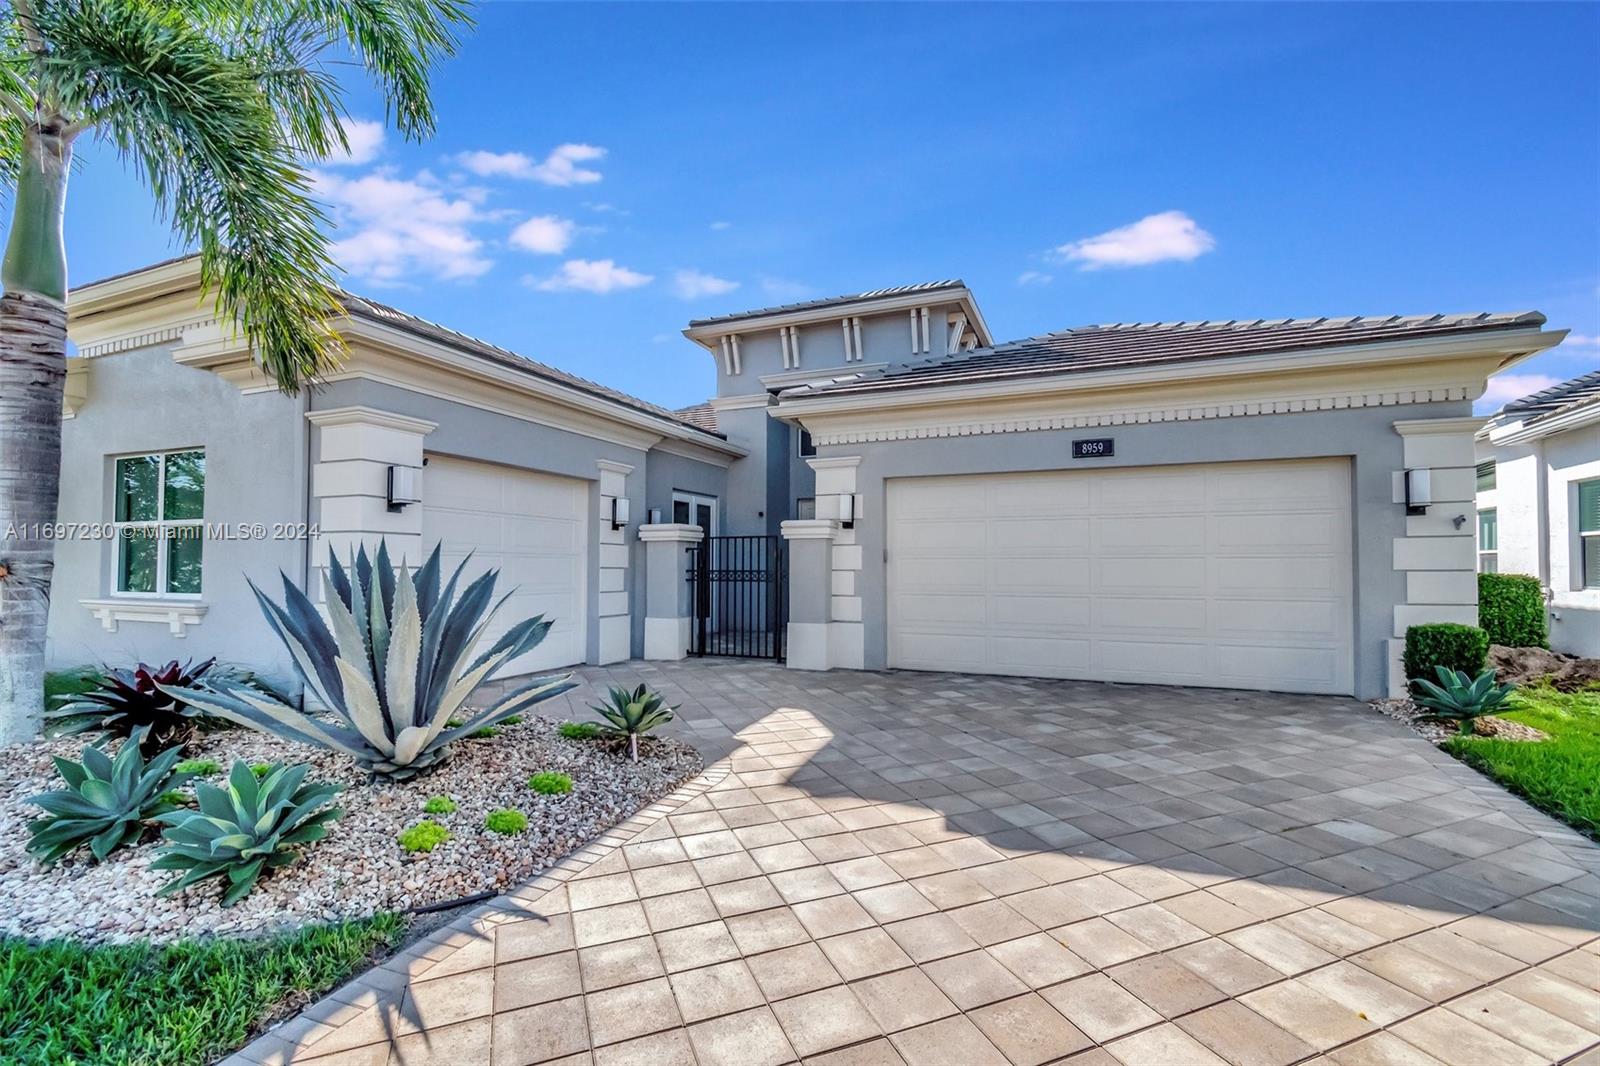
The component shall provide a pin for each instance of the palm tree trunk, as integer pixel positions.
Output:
(33, 370)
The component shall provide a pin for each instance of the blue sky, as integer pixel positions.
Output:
(603, 173)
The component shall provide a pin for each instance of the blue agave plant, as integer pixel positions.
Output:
(392, 663)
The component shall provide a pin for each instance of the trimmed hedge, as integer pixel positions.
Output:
(1511, 610)
(1448, 644)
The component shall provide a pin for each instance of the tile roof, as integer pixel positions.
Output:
(1579, 392)
(1134, 344)
(702, 415)
(831, 301)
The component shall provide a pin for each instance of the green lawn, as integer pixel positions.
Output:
(188, 1003)
(1561, 775)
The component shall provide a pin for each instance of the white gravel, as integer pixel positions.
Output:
(358, 868)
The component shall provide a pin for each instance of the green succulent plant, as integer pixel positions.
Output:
(106, 803)
(506, 821)
(1459, 697)
(631, 715)
(550, 783)
(239, 832)
(424, 836)
(483, 733)
(199, 767)
(439, 805)
(394, 667)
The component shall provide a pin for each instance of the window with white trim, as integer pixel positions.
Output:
(803, 445)
(159, 516)
(1486, 475)
(1589, 532)
(1488, 541)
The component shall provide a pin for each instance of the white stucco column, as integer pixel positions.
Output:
(667, 610)
(808, 639)
(836, 496)
(1438, 554)
(350, 481)
(616, 638)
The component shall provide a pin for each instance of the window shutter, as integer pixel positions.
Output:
(1589, 507)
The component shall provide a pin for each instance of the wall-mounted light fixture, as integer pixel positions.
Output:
(1414, 488)
(847, 510)
(404, 487)
(619, 512)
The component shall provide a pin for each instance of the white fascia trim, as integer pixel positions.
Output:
(357, 415)
(740, 403)
(706, 336)
(807, 377)
(685, 450)
(834, 462)
(137, 287)
(614, 467)
(1509, 343)
(403, 343)
(1423, 427)
(1548, 426)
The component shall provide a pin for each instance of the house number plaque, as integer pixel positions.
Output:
(1094, 448)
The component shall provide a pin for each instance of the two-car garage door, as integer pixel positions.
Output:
(1227, 574)
(532, 527)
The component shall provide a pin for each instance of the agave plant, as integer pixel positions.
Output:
(1459, 697)
(393, 668)
(126, 701)
(632, 714)
(106, 802)
(253, 825)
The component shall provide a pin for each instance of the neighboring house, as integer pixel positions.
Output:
(1538, 481)
(1209, 503)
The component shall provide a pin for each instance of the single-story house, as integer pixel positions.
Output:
(1538, 480)
(1255, 504)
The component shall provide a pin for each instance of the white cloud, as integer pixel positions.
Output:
(784, 289)
(721, 225)
(560, 167)
(365, 141)
(1503, 388)
(1582, 340)
(1034, 277)
(590, 275)
(1153, 239)
(392, 227)
(693, 284)
(545, 234)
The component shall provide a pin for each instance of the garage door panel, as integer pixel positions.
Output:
(532, 527)
(1172, 532)
(1052, 611)
(1235, 574)
(1044, 573)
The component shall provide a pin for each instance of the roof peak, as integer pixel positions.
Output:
(829, 301)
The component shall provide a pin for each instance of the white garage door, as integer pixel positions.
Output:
(534, 528)
(1231, 574)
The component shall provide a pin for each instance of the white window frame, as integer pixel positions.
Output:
(161, 524)
(694, 500)
(1582, 538)
(1489, 553)
(800, 434)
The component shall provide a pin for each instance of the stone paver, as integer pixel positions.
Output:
(941, 869)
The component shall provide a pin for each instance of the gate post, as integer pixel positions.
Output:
(810, 543)
(666, 592)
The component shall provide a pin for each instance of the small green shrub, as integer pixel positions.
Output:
(506, 821)
(579, 730)
(439, 805)
(453, 723)
(424, 836)
(199, 767)
(1447, 644)
(176, 797)
(484, 733)
(261, 769)
(550, 783)
(515, 719)
(1511, 610)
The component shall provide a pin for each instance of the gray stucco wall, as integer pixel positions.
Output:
(472, 433)
(141, 402)
(667, 473)
(1365, 435)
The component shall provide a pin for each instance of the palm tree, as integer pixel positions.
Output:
(218, 105)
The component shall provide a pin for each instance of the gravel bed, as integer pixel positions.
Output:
(358, 868)
(1405, 710)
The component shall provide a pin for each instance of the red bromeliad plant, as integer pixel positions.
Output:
(129, 700)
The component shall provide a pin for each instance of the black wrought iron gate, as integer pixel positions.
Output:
(737, 587)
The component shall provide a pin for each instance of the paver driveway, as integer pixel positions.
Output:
(946, 869)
